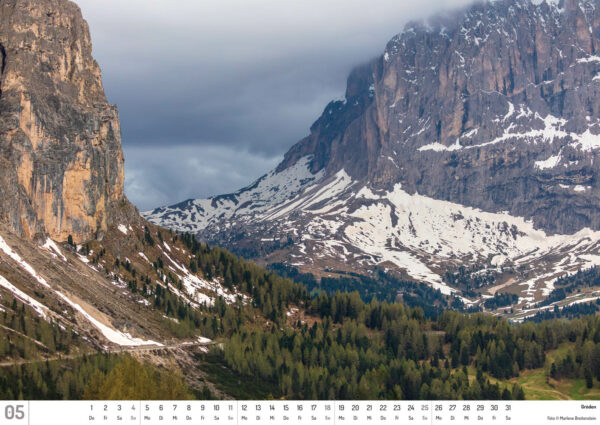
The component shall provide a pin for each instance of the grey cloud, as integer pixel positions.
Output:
(180, 170)
(212, 93)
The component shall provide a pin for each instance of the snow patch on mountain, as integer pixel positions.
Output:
(270, 190)
(438, 147)
(111, 334)
(197, 287)
(142, 255)
(345, 220)
(314, 197)
(551, 162)
(39, 308)
(54, 250)
(552, 130)
(24, 265)
(415, 232)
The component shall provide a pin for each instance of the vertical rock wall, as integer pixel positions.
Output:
(61, 162)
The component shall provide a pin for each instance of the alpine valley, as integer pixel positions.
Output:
(465, 156)
(458, 175)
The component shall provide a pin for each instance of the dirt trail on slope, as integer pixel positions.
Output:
(136, 349)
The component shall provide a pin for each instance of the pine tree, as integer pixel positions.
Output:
(589, 378)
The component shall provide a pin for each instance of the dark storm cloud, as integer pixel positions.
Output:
(173, 170)
(213, 92)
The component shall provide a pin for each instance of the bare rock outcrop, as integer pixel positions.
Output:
(61, 162)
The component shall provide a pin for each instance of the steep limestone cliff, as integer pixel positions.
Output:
(61, 162)
(471, 106)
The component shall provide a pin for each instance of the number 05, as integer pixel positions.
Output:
(14, 412)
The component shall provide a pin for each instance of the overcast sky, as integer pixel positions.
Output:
(212, 93)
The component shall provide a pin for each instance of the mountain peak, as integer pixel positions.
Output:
(507, 76)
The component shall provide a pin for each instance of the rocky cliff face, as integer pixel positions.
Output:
(61, 163)
(61, 173)
(495, 108)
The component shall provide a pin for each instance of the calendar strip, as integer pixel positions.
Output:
(298, 412)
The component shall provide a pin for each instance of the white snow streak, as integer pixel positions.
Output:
(17, 258)
(51, 246)
(41, 309)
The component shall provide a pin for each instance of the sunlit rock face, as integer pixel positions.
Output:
(61, 162)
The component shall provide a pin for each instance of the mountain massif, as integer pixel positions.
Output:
(472, 143)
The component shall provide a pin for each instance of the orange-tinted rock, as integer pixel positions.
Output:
(61, 162)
